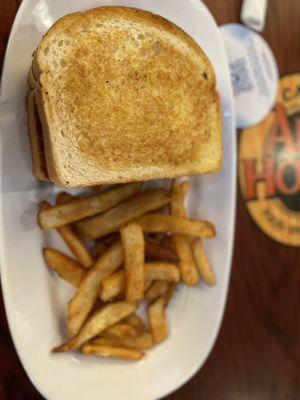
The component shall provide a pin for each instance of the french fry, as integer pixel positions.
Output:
(136, 322)
(98, 322)
(142, 342)
(112, 220)
(78, 249)
(64, 266)
(148, 283)
(65, 197)
(132, 238)
(179, 192)
(168, 223)
(185, 187)
(164, 271)
(65, 214)
(114, 285)
(112, 351)
(154, 251)
(157, 320)
(157, 289)
(83, 301)
(120, 330)
(75, 245)
(203, 264)
(182, 243)
(169, 292)
(187, 265)
(44, 205)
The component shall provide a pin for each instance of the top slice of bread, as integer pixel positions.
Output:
(125, 95)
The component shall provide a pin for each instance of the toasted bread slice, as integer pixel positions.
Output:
(31, 80)
(36, 139)
(125, 95)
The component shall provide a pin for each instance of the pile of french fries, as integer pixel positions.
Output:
(140, 253)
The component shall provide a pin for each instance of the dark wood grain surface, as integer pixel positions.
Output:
(257, 354)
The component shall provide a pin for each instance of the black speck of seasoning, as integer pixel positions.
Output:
(205, 75)
(107, 81)
(67, 182)
(46, 92)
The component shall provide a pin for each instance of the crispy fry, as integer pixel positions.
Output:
(83, 301)
(75, 245)
(136, 322)
(112, 220)
(148, 283)
(157, 289)
(102, 319)
(157, 320)
(64, 266)
(168, 223)
(115, 284)
(182, 243)
(187, 265)
(44, 205)
(112, 351)
(120, 330)
(112, 286)
(184, 188)
(154, 251)
(169, 293)
(164, 271)
(134, 256)
(64, 197)
(203, 264)
(64, 214)
(143, 342)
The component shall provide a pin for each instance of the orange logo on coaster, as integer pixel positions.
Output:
(269, 166)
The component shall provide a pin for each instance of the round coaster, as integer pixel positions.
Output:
(269, 166)
(254, 73)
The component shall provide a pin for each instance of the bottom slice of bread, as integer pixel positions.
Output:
(36, 139)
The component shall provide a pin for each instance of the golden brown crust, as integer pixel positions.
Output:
(45, 134)
(31, 81)
(36, 140)
(131, 97)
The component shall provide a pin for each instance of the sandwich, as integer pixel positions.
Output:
(121, 95)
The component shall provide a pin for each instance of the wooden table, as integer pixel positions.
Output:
(257, 354)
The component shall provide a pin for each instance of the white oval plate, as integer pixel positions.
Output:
(36, 300)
